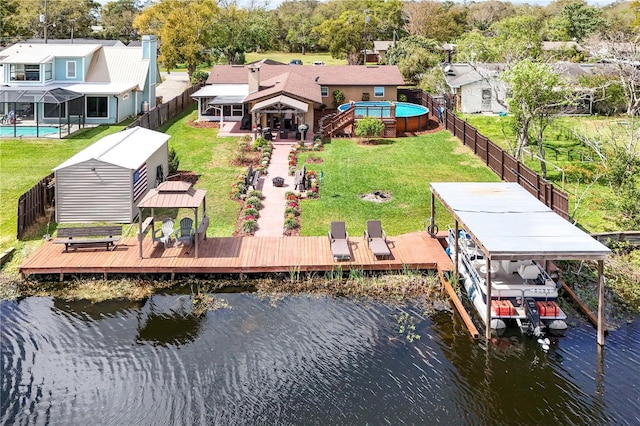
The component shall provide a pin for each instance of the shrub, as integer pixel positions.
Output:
(249, 226)
(291, 211)
(250, 211)
(291, 224)
(236, 193)
(255, 193)
(338, 97)
(312, 194)
(369, 127)
(199, 76)
(402, 97)
(174, 161)
(292, 204)
(255, 202)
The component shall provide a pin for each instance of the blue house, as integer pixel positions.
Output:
(58, 84)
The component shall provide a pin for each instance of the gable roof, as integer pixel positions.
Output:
(289, 82)
(129, 148)
(382, 45)
(335, 75)
(118, 65)
(25, 53)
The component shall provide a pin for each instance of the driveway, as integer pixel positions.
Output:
(173, 84)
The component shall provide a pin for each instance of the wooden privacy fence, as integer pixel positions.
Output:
(33, 204)
(162, 113)
(501, 162)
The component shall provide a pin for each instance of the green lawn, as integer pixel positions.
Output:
(403, 167)
(567, 166)
(307, 59)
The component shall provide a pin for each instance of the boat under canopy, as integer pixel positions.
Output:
(508, 223)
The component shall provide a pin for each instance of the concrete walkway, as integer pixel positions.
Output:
(271, 220)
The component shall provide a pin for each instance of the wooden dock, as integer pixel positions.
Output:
(237, 255)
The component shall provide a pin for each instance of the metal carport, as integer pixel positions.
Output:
(508, 223)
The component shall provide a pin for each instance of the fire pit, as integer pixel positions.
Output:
(278, 181)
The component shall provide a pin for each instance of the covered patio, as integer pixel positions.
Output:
(508, 223)
(173, 194)
(282, 114)
(41, 106)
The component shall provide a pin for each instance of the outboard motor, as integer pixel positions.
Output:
(535, 327)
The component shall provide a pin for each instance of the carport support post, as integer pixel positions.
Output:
(487, 280)
(456, 269)
(140, 232)
(600, 302)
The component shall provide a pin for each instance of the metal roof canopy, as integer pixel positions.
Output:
(509, 223)
(47, 96)
(173, 194)
(506, 222)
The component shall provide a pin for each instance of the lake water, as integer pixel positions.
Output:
(299, 360)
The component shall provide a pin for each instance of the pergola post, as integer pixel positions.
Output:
(456, 269)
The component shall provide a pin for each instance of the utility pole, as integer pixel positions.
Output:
(43, 20)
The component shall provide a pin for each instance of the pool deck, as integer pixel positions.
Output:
(236, 255)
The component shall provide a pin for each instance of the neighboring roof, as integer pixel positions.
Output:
(49, 95)
(76, 41)
(129, 148)
(118, 65)
(282, 100)
(171, 194)
(509, 223)
(31, 53)
(382, 45)
(266, 61)
(458, 75)
(334, 75)
(222, 90)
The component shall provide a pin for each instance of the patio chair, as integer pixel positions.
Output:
(164, 234)
(377, 239)
(186, 233)
(339, 241)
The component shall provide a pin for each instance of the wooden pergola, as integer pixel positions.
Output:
(174, 194)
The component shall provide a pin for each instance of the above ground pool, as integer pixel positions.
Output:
(409, 117)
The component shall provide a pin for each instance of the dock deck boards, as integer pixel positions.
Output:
(228, 255)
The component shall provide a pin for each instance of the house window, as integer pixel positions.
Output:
(324, 91)
(378, 92)
(24, 72)
(97, 106)
(51, 110)
(71, 69)
(48, 71)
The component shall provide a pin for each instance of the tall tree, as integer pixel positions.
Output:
(117, 19)
(537, 93)
(61, 18)
(8, 28)
(442, 21)
(482, 15)
(414, 55)
(576, 21)
(295, 24)
(182, 27)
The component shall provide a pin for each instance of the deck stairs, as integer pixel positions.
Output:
(332, 124)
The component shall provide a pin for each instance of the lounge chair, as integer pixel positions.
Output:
(186, 233)
(164, 234)
(339, 240)
(377, 239)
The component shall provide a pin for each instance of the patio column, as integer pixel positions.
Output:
(601, 323)
(487, 333)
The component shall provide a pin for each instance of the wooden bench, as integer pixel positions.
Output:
(101, 236)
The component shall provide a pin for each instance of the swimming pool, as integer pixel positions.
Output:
(409, 117)
(29, 131)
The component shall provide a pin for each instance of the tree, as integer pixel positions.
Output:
(117, 19)
(576, 21)
(237, 31)
(8, 28)
(414, 56)
(62, 18)
(183, 29)
(441, 21)
(295, 24)
(369, 127)
(537, 93)
(483, 14)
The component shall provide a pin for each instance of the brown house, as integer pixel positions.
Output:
(282, 96)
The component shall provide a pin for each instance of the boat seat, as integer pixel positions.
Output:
(529, 272)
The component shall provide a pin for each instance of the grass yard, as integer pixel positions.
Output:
(285, 57)
(403, 167)
(568, 166)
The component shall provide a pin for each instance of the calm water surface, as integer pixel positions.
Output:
(299, 360)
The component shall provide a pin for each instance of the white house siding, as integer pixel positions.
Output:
(158, 158)
(94, 191)
(471, 98)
